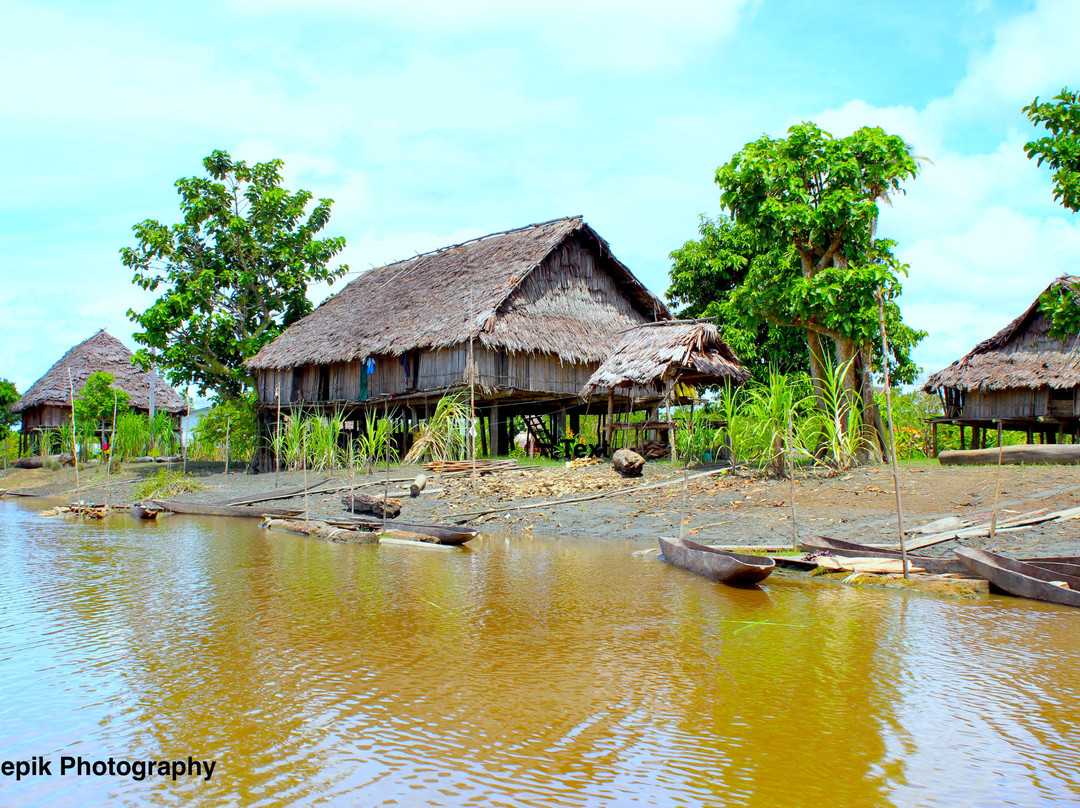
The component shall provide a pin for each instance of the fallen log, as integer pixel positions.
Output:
(212, 509)
(63, 459)
(280, 493)
(876, 566)
(359, 502)
(407, 534)
(320, 530)
(418, 485)
(1056, 454)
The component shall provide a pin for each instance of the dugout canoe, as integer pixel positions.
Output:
(210, 509)
(1069, 565)
(935, 566)
(141, 511)
(722, 566)
(1020, 579)
(445, 534)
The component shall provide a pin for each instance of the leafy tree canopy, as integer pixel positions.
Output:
(1059, 148)
(798, 246)
(8, 396)
(97, 398)
(706, 272)
(234, 419)
(233, 272)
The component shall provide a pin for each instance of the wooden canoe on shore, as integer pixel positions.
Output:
(1069, 565)
(1020, 579)
(935, 566)
(210, 509)
(446, 534)
(141, 511)
(736, 569)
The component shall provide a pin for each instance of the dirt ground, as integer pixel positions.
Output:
(727, 508)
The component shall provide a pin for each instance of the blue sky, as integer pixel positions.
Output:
(430, 122)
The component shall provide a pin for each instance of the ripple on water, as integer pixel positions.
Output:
(537, 672)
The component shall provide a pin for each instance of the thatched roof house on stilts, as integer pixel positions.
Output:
(537, 309)
(656, 360)
(1021, 376)
(47, 404)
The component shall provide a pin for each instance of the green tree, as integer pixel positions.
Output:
(8, 396)
(232, 418)
(803, 216)
(96, 402)
(705, 273)
(233, 272)
(1059, 148)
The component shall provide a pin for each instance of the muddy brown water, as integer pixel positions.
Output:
(521, 671)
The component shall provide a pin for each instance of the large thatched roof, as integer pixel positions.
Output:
(650, 356)
(433, 300)
(102, 352)
(1022, 354)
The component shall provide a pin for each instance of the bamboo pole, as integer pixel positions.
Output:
(74, 432)
(997, 485)
(303, 451)
(386, 487)
(472, 410)
(892, 434)
(277, 435)
(228, 423)
(112, 442)
(791, 475)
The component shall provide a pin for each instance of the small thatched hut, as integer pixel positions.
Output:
(654, 360)
(1021, 376)
(47, 404)
(524, 316)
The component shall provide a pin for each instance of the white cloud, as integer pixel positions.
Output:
(620, 34)
(979, 227)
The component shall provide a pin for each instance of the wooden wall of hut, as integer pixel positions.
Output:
(45, 417)
(1020, 403)
(496, 371)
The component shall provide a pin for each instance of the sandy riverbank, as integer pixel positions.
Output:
(744, 508)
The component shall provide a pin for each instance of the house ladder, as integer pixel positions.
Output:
(539, 432)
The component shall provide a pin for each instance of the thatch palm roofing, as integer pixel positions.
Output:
(1021, 355)
(102, 352)
(655, 354)
(434, 300)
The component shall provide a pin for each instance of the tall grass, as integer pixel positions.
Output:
(443, 436)
(372, 446)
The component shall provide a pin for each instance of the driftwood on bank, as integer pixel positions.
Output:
(359, 502)
(1057, 454)
(978, 531)
(212, 509)
(63, 459)
(321, 530)
(628, 463)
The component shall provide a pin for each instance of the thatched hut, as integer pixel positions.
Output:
(1022, 376)
(657, 360)
(523, 316)
(47, 404)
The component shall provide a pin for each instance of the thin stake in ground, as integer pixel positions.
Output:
(892, 435)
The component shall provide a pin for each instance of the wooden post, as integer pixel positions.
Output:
(472, 410)
(112, 440)
(494, 427)
(962, 446)
(610, 419)
(892, 433)
(386, 482)
(228, 423)
(1029, 435)
(74, 432)
(933, 439)
(997, 486)
(791, 474)
(277, 434)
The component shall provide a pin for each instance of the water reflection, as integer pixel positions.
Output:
(522, 672)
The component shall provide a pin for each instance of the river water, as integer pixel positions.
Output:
(518, 672)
